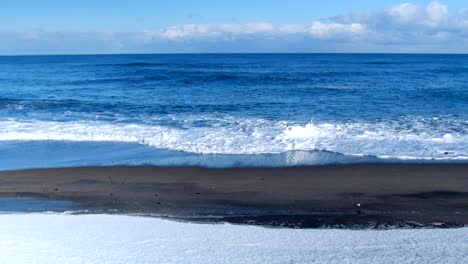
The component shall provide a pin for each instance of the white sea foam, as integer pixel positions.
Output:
(413, 139)
(52, 238)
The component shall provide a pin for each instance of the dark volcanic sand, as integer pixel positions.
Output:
(349, 196)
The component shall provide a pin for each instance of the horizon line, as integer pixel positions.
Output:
(230, 53)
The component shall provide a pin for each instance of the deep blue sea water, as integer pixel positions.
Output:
(228, 110)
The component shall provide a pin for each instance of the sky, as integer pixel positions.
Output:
(184, 26)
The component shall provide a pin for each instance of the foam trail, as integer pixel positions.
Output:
(414, 139)
(48, 238)
(23, 155)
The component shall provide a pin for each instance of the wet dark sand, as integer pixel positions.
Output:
(351, 196)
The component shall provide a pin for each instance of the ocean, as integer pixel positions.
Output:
(232, 110)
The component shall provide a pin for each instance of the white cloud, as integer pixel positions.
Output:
(433, 15)
(413, 24)
(406, 20)
(406, 26)
(405, 13)
(327, 30)
(213, 30)
(317, 29)
(436, 13)
(183, 31)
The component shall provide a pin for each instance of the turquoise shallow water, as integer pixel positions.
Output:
(31, 205)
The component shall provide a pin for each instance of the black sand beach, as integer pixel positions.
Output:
(349, 196)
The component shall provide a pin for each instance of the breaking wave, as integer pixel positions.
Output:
(422, 138)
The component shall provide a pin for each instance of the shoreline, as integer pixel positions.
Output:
(343, 196)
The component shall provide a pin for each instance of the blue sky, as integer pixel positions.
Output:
(145, 26)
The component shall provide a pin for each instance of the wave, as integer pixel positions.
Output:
(135, 64)
(194, 65)
(381, 63)
(73, 108)
(16, 155)
(412, 139)
(392, 62)
(450, 70)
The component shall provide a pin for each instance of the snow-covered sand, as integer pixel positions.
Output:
(61, 238)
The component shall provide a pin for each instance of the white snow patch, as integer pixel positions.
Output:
(59, 238)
